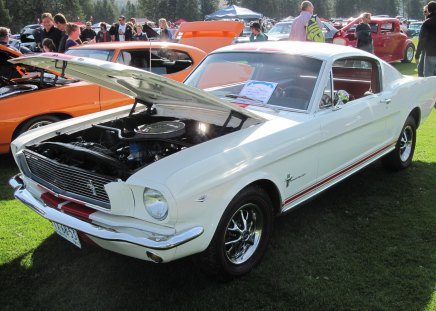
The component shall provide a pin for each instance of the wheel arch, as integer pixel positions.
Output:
(416, 115)
(60, 115)
(271, 190)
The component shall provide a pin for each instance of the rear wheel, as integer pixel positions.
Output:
(408, 53)
(35, 123)
(242, 236)
(401, 156)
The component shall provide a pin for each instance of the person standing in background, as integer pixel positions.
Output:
(139, 34)
(421, 58)
(165, 34)
(88, 34)
(103, 35)
(73, 32)
(61, 23)
(49, 30)
(298, 30)
(121, 31)
(427, 41)
(363, 34)
(256, 33)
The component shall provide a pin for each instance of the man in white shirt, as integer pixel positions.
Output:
(121, 31)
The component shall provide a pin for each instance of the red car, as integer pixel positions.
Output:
(390, 44)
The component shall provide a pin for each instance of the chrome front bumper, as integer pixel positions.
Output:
(148, 239)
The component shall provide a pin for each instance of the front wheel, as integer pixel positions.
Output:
(401, 157)
(35, 123)
(242, 235)
(408, 53)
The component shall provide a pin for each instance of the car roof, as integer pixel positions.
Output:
(133, 45)
(384, 19)
(323, 51)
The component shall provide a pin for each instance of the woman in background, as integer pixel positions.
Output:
(73, 33)
(103, 35)
(165, 33)
(363, 33)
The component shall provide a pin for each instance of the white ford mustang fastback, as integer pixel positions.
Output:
(203, 168)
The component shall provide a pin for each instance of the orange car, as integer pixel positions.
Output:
(31, 100)
(172, 60)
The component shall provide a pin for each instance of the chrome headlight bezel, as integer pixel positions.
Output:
(155, 204)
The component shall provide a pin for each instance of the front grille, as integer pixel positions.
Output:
(67, 180)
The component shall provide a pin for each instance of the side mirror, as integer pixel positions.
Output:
(340, 98)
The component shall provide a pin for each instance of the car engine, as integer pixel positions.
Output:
(120, 147)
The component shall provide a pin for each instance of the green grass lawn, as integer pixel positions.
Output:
(369, 243)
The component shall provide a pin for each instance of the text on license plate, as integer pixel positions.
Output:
(67, 233)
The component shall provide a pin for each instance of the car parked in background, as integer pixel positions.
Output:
(205, 166)
(390, 44)
(32, 98)
(281, 30)
(173, 60)
(414, 29)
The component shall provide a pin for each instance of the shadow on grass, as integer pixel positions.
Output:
(366, 244)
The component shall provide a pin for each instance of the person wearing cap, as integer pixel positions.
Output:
(88, 34)
(256, 33)
(121, 31)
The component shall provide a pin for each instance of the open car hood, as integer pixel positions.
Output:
(142, 85)
(209, 35)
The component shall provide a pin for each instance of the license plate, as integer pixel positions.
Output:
(68, 234)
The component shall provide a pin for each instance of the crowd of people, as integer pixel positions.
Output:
(57, 35)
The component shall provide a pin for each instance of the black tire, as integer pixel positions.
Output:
(401, 157)
(408, 53)
(35, 123)
(225, 262)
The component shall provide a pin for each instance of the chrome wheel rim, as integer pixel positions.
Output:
(409, 53)
(39, 124)
(243, 233)
(406, 142)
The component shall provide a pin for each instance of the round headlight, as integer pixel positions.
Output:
(155, 204)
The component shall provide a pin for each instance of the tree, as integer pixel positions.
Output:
(130, 10)
(87, 7)
(188, 10)
(105, 11)
(208, 7)
(4, 15)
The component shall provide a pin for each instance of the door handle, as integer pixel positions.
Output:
(386, 101)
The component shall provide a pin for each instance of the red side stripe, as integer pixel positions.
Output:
(333, 176)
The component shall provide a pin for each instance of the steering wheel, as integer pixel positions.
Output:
(296, 91)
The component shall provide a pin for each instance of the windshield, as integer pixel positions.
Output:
(281, 80)
(91, 53)
(280, 28)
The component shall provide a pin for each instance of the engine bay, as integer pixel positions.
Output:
(118, 148)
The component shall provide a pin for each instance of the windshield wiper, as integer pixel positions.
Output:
(254, 101)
